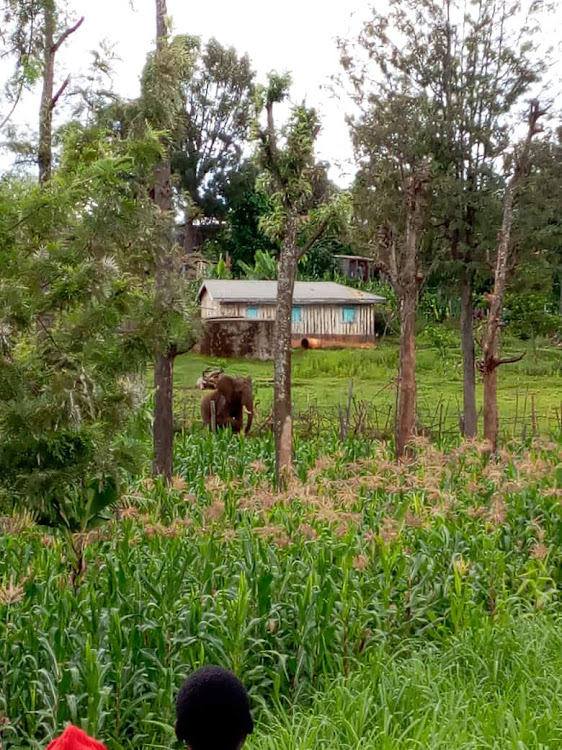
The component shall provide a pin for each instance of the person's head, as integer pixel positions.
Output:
(213, 711)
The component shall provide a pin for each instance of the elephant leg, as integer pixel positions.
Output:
(237, 418)
(222, 412)
(214, 410)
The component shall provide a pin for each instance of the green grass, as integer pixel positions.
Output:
(493, 688)
(372, 604)
(321, 380)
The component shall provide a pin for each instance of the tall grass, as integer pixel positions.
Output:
(488, 688)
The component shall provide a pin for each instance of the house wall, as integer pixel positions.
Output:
(316, 320)
(227, 337)
(327, 320)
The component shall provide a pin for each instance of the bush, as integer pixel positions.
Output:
(441, 338)
(531, 314)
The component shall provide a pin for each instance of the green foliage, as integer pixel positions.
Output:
(245, 205)
(319, 261)
(289, 168)
(265, 267)
(433, 307)
(531, 314)
(417, 70)
(442, 338)
(221, 270)
(78, 324)
(212, 126)
(162, 82)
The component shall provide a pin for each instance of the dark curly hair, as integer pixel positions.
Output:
(213, 710)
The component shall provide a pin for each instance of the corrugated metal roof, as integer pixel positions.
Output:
(306, 292)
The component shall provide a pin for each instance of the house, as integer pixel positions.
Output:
(325, 314)
(355, 267)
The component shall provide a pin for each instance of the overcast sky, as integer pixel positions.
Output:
(292, 35)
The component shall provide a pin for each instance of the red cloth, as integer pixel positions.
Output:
(75, 739)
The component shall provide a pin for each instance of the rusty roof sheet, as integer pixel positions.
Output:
(306, 292)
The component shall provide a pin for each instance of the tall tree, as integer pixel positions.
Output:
(72, 392)
(287, 156)
(491, 340)
(159, 110)
(164, 366)
(475, 61)
(34, 31)
(391, 142)
(161, 102)
(538, 231)
(212, 130)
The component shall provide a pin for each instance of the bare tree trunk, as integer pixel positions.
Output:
(491, 342)
(164, 417)
(406, 406)
(282, 413)
(491, 415)
(407, 278)
(470, 419)
(161, 24)
(163, 423)
(44, 155)
(490, 346)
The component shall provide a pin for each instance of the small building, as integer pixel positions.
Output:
(325, 314)
(355, 267)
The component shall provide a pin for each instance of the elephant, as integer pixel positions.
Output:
(231, 396)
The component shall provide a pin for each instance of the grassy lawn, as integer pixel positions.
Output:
(322, 378)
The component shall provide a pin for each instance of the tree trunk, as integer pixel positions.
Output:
(490, 346)
(282, 413)
(407, 279)
(491, 416)
(188, 236)
(163, 430)
(470, 419)
(161, 24)
(44, 155)
(163, 424)
(406, 406)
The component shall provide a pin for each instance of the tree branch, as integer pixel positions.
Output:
(64, 36)
(483, 366)
(59, 93)
(510, 360)
(315, 237)
(15, 104)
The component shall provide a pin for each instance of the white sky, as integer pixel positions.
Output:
(298, 36)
